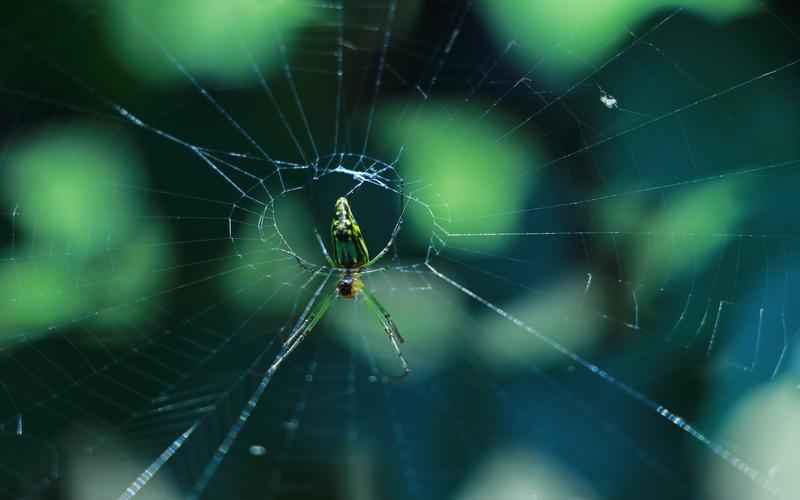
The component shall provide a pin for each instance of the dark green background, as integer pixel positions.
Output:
(130, 314)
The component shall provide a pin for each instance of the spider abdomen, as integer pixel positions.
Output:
(349, 248)
(349, 286)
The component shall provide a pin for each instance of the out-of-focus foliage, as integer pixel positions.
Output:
(211, 39)
(66, 185)
(684, 233)
(359, 472)
(261, 273)
(80, 242)
(98, 474)
(518, 475)
(432, 321)
(689, 230)
(37, 294)
(562, 312)
(472, 181)
(140, 267)
(765, 426)
(568, 36)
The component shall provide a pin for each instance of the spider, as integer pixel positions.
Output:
(350, 259)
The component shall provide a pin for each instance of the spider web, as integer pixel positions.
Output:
(602, 320)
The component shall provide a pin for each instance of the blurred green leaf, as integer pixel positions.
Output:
(38, 294)
(262, 274)
(138, 270)
(211, 39)
(432, 321)
(66, 183)
(523, 475)
(687, 232)
(764, 426)
(572, 35)
(480, 181)
(96, 472)
(82, 247)
(562, 312)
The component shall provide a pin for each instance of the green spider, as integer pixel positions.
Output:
(350, 259)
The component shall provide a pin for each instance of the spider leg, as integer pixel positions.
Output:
(389, 244)
(306, 265)
(324, 249)
(310, 321)
(305, 325)
(388, 326)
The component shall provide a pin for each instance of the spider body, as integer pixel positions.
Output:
(349, 248)
(350, 257)
(349, 285)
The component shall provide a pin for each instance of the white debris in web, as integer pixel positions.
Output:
(609, 101)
